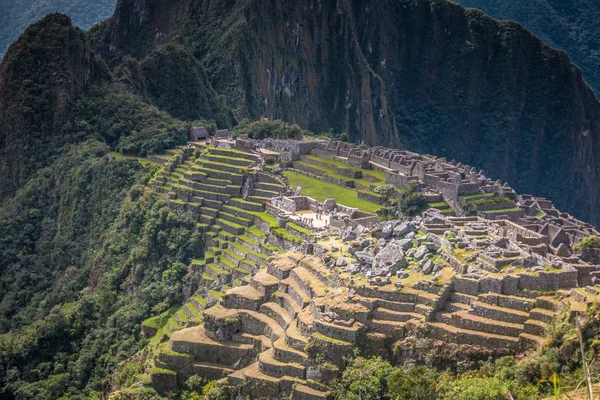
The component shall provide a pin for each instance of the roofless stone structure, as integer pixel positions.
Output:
(280, 307)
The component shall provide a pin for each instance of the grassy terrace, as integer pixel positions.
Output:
(321, 190)
(339, 164)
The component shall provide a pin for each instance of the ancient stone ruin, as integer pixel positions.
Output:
(275, 309)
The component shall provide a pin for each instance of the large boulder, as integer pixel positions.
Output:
(405, 244)
(389, 259)
(435, 240)
(428, 267)
(404, 229)
(363, 257)
(421, 251)
(348, 234)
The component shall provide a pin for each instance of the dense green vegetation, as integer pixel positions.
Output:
(15, 16)
(125, 123)
(116, 256)
(567, 25)
(266, 128)
(403, 203)
(87, 251)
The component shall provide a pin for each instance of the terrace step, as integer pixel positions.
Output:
(308, 282)
(241, 162)
(278, 313)
(225, 264)
(394, 305)
(233, 153)
(218, 182)
(190, 309)
(264, 282)
(456, 306)
(529, 340)
(243, 297)
(258, 199)
(216, 271)
(214, 196)
(541, 314)
(499, 313)
(246, 205)
(207, 219)
(270, 366)
(456, 335)
(257, 323)
(288, 303)
(235, 219)
(273, 187)
(212, 212)
(294, 338)
(463, 298)
(231, 190)
(219, 166)
(547, 303)
(234, 178)
(298, 294)
(536, 327)
(512, 302)
(247, 241)
(232, 256)
(304, 392)
(285, 353)
(228, 208)
(382, 313)
(210, 371)
(464, 320)
(230, 227)
(214, 204)
(386, 327)
(193, 341)
(264, 193)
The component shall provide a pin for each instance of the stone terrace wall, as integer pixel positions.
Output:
(398, 180)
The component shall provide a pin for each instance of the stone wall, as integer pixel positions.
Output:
(372, 197)
(398, 180)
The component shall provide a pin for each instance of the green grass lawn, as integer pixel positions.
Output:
(334, 163)
(321, 190)
(538, 213)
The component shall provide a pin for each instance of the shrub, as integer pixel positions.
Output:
(587, 244)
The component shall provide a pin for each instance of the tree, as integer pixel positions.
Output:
(364, 379)
(412, 383)
(588, 248)
(411, 201)
(469, 208)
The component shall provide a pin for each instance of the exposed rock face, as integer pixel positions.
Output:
(389, 259)
(426, 74)
(40, 77)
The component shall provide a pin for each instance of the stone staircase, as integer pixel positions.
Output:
(493, 320)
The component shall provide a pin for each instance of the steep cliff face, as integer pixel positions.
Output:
(425, 74)
(40, 77)
(571, 25)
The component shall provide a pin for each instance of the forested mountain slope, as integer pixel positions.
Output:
(15, 16)
(86, 251)
(571, 25)
(428, 75)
